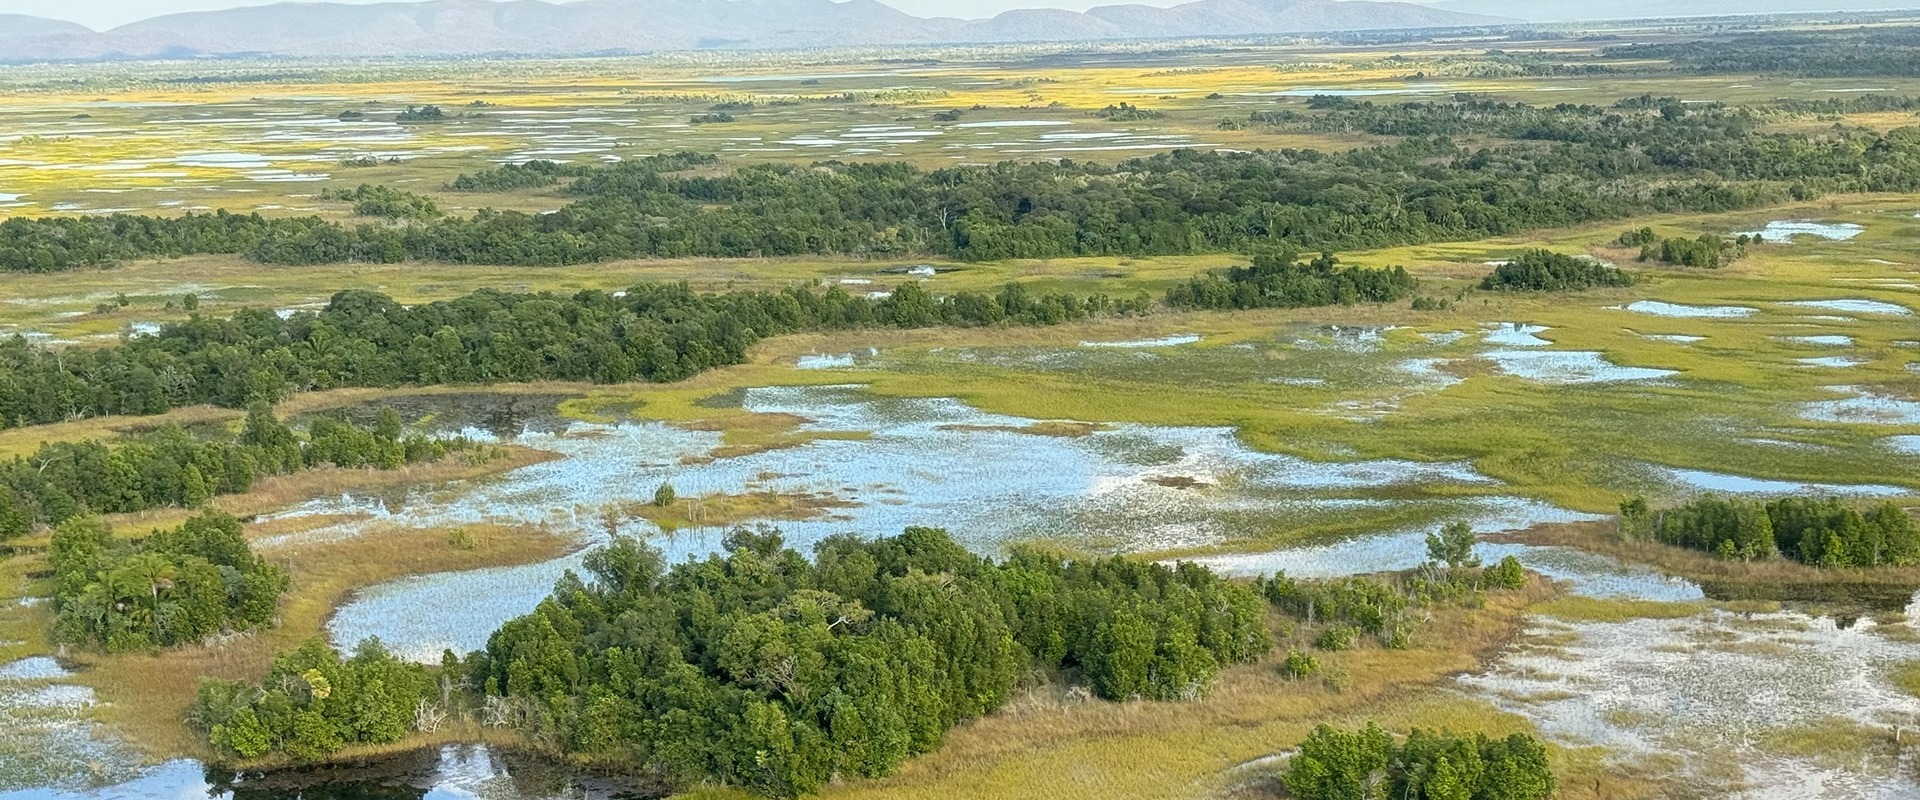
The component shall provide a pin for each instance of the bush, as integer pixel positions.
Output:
(1368, 763)
(1299, 666)
(178, 586)
(1337, 637)
(1547, 271)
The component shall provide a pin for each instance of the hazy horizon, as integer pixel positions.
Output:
(106, 14)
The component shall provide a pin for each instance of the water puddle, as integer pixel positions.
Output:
(1833, 362)
(1864, 405)
(1570, 367)
(1705, 481)
(1855, 306)
(1784, 231)
(835, 360)
(1822, 340)
(1662, 309)
(453, 772)
(1674, 338)
(1515, 334)
(1164, 341)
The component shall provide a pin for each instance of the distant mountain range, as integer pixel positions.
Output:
(1588, 10)
(465, 27)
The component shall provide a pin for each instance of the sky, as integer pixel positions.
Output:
(104, 14)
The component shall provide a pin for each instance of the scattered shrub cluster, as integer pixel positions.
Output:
(1368, 763)
(386, 202)
(178, 586)
(313, 703)
(1547, 271)
(1708, 251)
(1281, 281)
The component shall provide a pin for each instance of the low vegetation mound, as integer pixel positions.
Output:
(1819, 532)
(1707, 251)
(1369, 763)
(1547, 271)
(1281, 280)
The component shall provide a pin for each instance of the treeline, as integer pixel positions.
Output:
(172, 468)
(1368, 763)
(1890, 52)
(1707, 250)
(1824, 533)
(1547, 271)
(1280, 280)
(177, 586)
(1600, 163)
(652, 332)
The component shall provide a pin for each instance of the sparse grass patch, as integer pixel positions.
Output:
(1835, 743)
(1906, 676)
(1592, 609)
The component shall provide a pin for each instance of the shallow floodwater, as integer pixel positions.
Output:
(1855, 306)
(1132, 488)
(47, 734)
(1784, 231)
(1715, 691)
(1678, 311)
(1586, 574)
(1863, 406)
(1570, 366)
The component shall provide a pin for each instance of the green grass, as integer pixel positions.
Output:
(1906, 676)
(1590, 609)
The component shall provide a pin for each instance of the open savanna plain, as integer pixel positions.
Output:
(1320, 442)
